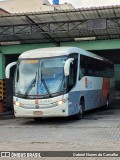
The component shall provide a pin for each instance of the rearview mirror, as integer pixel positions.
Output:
(7, 70)
(67, 66)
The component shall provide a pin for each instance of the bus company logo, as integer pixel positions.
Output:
(45, 101)
(86, 82)
(37, 107)
(36, 101)
(5, 154)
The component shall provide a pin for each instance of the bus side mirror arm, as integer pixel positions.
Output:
(67, 66)
(7, 70)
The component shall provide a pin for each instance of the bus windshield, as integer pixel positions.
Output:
(39, 77)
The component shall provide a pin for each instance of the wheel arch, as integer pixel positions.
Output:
(82, 99)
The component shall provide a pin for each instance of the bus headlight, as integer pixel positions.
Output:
(18, 104)
(61, 102)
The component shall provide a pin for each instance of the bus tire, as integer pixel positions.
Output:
(79, 115)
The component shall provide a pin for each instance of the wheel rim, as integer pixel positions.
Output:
(107, 102)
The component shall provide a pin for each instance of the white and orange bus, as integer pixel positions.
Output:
(61, 81)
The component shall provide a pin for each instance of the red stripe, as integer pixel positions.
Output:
(105, 87)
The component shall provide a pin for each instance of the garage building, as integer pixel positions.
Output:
(95, 29)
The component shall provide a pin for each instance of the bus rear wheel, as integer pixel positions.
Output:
(79, 115)
(107, 105)
(107, 102)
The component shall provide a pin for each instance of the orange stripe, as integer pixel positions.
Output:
(105, 87)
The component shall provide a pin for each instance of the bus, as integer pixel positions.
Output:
(61, 82)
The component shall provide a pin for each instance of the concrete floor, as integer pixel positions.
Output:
(99, 130)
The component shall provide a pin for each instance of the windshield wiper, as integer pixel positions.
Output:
(44, 83)
(31, 85)
(46, 87)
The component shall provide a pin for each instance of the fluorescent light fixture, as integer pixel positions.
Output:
(10, 43)
(84, 38)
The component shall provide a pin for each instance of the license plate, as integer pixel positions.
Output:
(38, 113)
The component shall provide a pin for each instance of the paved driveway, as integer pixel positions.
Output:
(99, 130)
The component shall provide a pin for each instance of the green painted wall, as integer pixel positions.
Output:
(87, 45)
(2, 66)
(17, 49)
(95, 45)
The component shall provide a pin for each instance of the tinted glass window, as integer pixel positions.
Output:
(73, 70)
(94, 67)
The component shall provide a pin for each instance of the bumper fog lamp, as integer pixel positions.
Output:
(18, 104)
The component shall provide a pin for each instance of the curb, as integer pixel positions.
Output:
(6, 115)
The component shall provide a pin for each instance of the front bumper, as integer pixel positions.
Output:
(57, 111)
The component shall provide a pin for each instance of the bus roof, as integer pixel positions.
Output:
(55, 52)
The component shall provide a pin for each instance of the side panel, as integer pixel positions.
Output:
(94, 90)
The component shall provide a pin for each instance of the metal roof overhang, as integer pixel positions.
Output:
(103, 23)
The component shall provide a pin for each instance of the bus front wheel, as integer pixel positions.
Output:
(79, 115)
